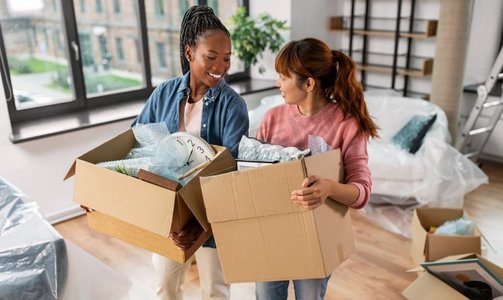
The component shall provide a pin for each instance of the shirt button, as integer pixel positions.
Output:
(204, 125)
(207, 103)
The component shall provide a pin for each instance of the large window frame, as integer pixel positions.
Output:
(83, 102)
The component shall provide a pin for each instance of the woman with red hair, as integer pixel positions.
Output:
(323, 98)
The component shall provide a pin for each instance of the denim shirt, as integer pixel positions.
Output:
(224, 117)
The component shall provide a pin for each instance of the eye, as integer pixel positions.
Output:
(211, 57)
(227, 59)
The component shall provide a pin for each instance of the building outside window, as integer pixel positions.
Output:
(72, 59)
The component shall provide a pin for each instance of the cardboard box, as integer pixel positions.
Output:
(430, 287)
(136, 211)
(262, 235)
(430, 247)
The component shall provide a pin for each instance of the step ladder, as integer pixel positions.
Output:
(471, 141)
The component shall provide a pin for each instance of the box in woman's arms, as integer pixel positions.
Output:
(262, 235)
(141, 212)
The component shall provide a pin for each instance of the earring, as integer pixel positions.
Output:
(188, 59)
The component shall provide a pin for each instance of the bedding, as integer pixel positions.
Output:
(434, 174)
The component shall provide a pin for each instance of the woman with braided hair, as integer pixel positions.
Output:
(199, 102)
(323, 98)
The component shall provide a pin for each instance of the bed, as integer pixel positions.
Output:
(435, 175)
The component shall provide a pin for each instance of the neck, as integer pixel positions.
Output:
(312, 105)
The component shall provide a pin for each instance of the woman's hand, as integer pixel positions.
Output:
(313, 193)
(187, 236)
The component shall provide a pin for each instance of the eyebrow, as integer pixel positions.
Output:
(216, 52)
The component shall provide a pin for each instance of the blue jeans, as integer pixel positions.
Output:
(305, 289)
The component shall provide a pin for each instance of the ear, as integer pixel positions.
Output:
(310, 84)
(188, 53)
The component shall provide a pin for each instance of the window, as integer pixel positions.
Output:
(82, 5)
(159, 8)
(57, 63)
(99, 7)
(120, 50)
(161, 55)
(117, 7)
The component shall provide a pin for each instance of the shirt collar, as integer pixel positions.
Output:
(210, 95)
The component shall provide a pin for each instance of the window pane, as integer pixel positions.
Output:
(109, 50)
(165, 30)
(36, 52)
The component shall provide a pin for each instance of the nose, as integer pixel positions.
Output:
(221, 66)
(277, 83)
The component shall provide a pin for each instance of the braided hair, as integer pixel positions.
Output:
(196, 21)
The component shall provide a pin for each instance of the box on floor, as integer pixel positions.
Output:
(136, 211)
(262, 235)
(428, 287)
(430, 247)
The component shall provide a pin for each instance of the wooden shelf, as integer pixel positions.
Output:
(340, 23)
(383, 63)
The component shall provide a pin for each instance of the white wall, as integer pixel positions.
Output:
(485, 37)
(312, 16)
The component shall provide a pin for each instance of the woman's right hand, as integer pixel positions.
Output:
(187, 236)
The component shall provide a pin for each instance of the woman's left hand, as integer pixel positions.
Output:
(313, 193)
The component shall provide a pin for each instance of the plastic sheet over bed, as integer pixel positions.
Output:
(33, 258)
(437, 175)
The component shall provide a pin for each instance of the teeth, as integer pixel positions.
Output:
(217, 76)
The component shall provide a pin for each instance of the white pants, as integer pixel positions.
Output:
(170, 276)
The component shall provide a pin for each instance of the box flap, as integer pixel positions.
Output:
(221, 163)
(114, 149)
(124, 197)
(428, 287)
(418, 245)
(235, 195)
(326, 165)
(440, 246)
(436, 216)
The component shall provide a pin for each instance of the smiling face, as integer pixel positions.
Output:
(209, 59)
(291, 90)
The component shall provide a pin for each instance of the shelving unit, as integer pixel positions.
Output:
(364, 27)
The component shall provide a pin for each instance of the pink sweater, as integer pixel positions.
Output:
(284, 125)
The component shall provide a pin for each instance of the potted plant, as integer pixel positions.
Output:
(251, 37)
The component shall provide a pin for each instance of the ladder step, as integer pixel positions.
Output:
(492, 103)
(480, 130)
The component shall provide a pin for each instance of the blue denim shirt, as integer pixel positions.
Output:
(224, 117)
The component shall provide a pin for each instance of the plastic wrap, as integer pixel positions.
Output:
(437, 175)
(33, 257)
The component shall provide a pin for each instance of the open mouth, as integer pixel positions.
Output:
(216, 76)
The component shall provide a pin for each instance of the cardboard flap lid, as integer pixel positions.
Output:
(191, 192)
(428, 287)
(253, 192)
(326, 165)
(266, 190)
(435, 216)
(114, 149)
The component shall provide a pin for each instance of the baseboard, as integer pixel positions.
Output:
(65, 215)
(490, 157)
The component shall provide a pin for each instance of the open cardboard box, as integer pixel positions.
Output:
(430, 247)
(262, 235)
(429, 287)
(136, 211)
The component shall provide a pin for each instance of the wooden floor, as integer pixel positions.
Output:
(377, 270)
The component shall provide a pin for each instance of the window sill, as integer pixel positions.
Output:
(30, 130)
